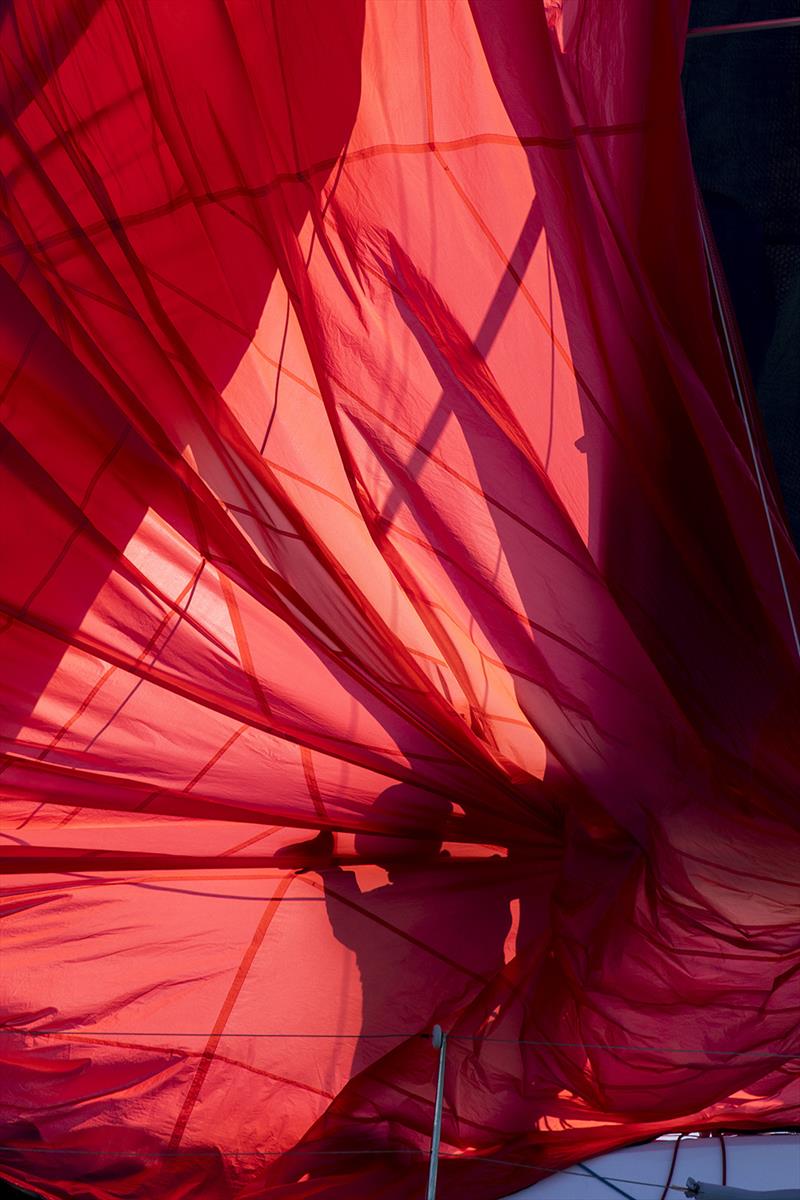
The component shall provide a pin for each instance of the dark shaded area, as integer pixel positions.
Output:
(9, 1192)
(743, 108)
(742, 93)
(32, 353)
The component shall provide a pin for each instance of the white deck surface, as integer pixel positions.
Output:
(754, 1161)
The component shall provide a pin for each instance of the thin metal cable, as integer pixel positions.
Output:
(216, 1154)
(179, 1033)
(155, 1154)
(734, 371)
(607, 1182)
(672, 1166)
(744, 27)
(649, 1049)
(675, 1187)
(754, 1055)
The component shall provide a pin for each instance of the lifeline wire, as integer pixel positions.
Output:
(734, 370)
(744, 27)
(756, 1055)
(672, 1166)
(157, 1154)
(607, 1182)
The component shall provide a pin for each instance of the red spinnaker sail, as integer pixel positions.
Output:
(370, 465)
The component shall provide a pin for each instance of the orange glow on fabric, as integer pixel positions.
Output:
(390, 626)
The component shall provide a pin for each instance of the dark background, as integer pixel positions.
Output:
(742, 96)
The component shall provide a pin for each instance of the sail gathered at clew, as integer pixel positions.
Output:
(396, 626)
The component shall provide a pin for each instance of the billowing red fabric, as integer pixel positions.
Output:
(370, 465)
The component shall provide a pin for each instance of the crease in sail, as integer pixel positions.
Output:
(388, 628)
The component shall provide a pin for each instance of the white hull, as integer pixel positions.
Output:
(759, 1162)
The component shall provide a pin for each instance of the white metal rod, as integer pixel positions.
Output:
(717, 1191)
(739, 389)
(439, 1040)
(744, 27)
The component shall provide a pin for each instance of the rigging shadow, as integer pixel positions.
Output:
(80, 478)
(443, 940)
(660, 529)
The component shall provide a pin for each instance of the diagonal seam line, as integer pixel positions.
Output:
(426, 60)
(607, 1182)
(364, 153)
(251, 840)
(311, 782)
(87, 1039)
(242, 642)
(228, 1004)
(18, 368)
(401, 933)
(89, 697)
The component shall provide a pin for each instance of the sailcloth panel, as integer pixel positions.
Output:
(395, 628)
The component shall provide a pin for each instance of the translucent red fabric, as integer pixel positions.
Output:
(371, 466)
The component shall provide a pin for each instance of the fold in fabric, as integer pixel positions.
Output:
(393, 630)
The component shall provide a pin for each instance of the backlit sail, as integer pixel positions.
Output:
(394, 627)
